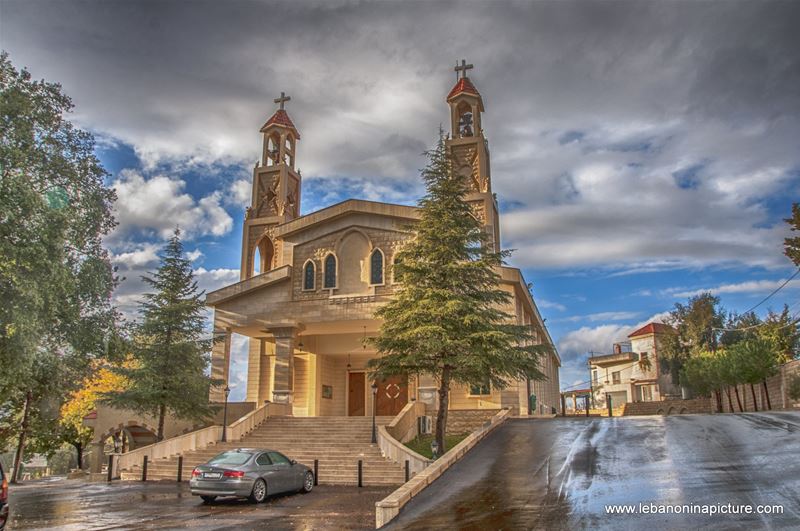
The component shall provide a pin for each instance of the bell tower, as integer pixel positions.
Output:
(275, 196)
(469, 150)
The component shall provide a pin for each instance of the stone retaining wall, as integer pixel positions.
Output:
(778, 392)
(465, 420)
(669, 407)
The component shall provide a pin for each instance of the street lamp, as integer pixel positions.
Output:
(225, 415)
(374, 407)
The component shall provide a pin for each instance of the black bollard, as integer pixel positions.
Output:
(144, 469)
(110, 467)
(360, 471)
(608, 401)
(316, 471)
(408, 471)
(180, 468)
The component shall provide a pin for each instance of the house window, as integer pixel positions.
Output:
(594, 377)
(376, 267)
(330, 272)
(477, 390)
(615, 378)
(309, 274)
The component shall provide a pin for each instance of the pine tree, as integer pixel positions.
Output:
(168, 350)
(447, 319)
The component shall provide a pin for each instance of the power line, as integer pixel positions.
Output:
(765, 299)
(763, 323)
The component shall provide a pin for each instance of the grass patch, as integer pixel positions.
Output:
(422, 443)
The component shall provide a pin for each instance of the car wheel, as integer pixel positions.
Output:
(308, 482)
(208, 499)
(259, 493)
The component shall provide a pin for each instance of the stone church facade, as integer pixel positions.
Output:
(310, 286)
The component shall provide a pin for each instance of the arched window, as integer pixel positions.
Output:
(376, 267)
(330, 272)
(309, 276)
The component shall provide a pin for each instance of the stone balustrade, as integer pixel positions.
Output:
(402, 429)
(199, 439)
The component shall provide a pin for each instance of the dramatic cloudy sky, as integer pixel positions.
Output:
(642, 152)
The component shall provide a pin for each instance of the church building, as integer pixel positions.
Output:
(310, 285)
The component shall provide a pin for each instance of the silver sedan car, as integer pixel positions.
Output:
(250, 473)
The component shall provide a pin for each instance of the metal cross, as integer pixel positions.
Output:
(463, 68)
(283, 99)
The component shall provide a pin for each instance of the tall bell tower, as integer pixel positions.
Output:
(276, 193)
(469, 150)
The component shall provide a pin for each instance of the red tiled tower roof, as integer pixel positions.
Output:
(281, 117)
(463, 85)
(653, 328)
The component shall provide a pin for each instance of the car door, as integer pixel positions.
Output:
(282, 471)
(270, 473)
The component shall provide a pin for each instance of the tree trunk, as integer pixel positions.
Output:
(718, 396)
(441, 415)
(753, 392)
(738, 398)
(766, 393)
(162, 412)
(23, 433)
(730, 404)
(79, 448)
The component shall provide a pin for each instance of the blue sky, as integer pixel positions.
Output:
(641, 152)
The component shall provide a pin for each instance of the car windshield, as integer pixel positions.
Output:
(230, 458)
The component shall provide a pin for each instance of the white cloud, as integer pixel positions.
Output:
(158, 204)
(752, 286)
(240, 192)
(600, 316)
(543, 303)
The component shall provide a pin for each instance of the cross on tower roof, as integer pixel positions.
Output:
(283, 99)
(463, 68)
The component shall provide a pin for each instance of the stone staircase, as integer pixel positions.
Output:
(337, 442)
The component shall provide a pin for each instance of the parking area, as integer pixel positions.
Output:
(74, 504)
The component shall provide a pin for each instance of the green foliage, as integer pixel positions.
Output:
(56, 278)
(448, 317)
(422, 443)
(702, 373)
(781, 330)
(695, 322)
(754, 359)
(791, 245)
(170, 357)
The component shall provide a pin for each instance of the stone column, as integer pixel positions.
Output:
(220, 363)
(97, 459)
(283, 376)
(264, 373)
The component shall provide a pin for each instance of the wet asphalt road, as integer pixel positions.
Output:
(559, 474)
(75, 505)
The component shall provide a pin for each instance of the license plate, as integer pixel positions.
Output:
(212, 475)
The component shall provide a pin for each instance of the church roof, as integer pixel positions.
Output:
(463, 85)
(281, 117)
(653, 328)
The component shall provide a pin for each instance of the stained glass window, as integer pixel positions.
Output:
(330, 271)
(376, 267)
(308, 276)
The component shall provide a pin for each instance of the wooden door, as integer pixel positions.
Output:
(392, 396)
(356, 403)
